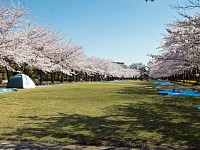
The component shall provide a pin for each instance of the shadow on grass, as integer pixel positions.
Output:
(73, 129)
(158, 123)
(172, 121)
(30, 146)
(130, 125)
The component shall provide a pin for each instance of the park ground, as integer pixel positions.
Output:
(101, 114)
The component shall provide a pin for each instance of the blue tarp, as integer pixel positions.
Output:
(163, 92)
(161, 82)
(178, 92)
(5, 91)
(184, 93)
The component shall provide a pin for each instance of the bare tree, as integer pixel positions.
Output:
(189, 4)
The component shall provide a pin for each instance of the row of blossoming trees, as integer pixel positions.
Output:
(180, 51)
(28, 47)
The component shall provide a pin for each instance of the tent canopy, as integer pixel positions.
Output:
(20, 81)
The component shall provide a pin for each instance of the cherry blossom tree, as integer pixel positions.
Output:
(180, 49)
(25, 46)
(11, 20)
(106, 68)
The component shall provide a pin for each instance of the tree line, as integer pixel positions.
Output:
(31, 48)
(180, 48)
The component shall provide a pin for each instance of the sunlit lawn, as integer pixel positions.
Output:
(100, 113)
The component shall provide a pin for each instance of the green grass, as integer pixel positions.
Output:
(119, 114)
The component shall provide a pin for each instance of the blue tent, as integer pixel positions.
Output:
(21, 81)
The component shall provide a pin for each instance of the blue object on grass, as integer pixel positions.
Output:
(5, 91)
(163, 92)
(161, 82)
(184, 93)
(198, 107)
(178, 92)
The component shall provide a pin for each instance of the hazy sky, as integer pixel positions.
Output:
(121, 30)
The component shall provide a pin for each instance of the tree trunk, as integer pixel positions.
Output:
(66, 77)
(81, 76)
(62, 78)
(41, 76)
(76, 76)
(47, 77)
(8, 74)
(58, 76)
(91, 78)
(25, 69)
(52, 77)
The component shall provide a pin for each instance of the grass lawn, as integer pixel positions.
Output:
(100, 113)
